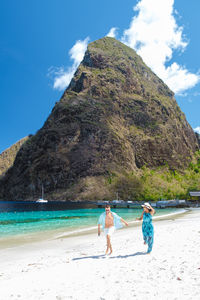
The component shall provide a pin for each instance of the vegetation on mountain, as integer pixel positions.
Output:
(161, 183)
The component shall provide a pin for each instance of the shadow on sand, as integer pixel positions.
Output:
(107, 256)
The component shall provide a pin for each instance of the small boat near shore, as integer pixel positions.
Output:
(42, 200)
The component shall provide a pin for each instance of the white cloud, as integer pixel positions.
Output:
(112, 32)
(154, 34)
(62, 76)
(179, 78)
(197, 129)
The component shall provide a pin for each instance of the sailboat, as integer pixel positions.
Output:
(42, 200)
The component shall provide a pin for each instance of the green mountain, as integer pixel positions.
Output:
(115, 119)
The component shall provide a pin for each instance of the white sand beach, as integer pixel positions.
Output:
(75, 267)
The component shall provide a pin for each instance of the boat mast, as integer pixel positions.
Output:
(42, 191)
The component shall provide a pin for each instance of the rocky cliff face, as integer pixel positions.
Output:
(115, 116)
(7, 157)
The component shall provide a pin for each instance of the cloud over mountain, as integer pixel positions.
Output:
(155, 35)
(62, 76)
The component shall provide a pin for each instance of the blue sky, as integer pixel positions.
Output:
(36, 37)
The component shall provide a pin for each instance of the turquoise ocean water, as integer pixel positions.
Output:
(22, 219)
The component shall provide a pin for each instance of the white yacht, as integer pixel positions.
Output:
(41, 201)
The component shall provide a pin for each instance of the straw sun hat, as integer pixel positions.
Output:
(147, 205)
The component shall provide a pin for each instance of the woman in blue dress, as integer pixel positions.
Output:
(147, 226)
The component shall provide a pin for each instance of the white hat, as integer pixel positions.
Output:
(147, 205)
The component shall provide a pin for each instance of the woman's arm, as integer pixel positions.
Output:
(140, 219)
(122, 220)
(152, 212)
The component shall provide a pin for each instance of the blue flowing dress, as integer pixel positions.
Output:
(147, 230)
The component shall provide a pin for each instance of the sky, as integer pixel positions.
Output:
(43, 42)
